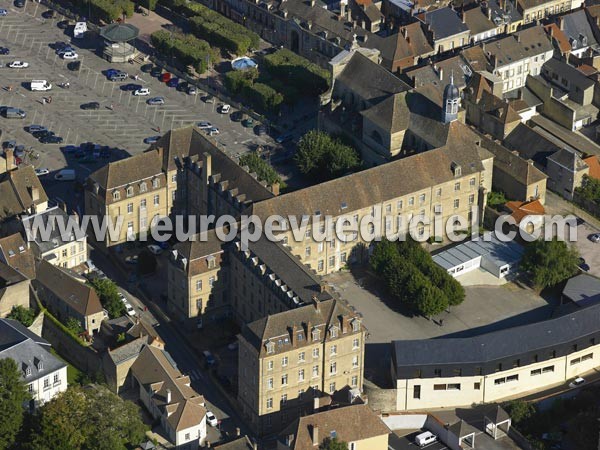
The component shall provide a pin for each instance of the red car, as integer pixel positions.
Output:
(165, 77)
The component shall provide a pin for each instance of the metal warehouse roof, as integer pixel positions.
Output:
(494, 250)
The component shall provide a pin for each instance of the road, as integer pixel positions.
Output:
(182, 353)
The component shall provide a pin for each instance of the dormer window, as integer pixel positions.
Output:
(270, 347)
(129, 191)
(27, 371)
(315, 334)
(300, 336)
(155, 183)
(143, 187)
(333, 331)
(355, 325)
(456, 169)
(211, 261)
(116, 195)
(40, 365)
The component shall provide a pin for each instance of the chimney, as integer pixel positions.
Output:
(518, 37)
(34, 193)
(9, 154)
(489, 13)
(441, 72)
(254, 446)
(294, 331)
(168, 396)
(238, 432)
(315, 435)
(207, 444)
(317, 303)
(561, 23)
(464, 19)
(520, 94)
(344, 324)
(275, 189)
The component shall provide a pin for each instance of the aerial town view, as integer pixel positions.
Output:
(300, 224)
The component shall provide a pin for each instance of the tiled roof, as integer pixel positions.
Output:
(242, 443)
(127, 351)
(594, 165)
(523, 44)
(512, 164)
(349, 424)
(79, 296)
(16, 188)
(18, 255)
(416, 38)
(477, 21)
(142, 166)
(558, 36)
(522, 209)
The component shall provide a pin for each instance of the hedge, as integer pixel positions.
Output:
(264, 97)
(107, 10)
(299, 72)
(186, 48)
(236, 80)
(59, 324)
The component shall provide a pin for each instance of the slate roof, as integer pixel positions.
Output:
(531, 144)
(127, 351)
(570, 73)
(340, 422)
(583, 289)
(444, 22)
(513, 165)
(525, 43)
(477, 21)
(155, 370)
(564, 137)
(497, 345)
(16, 191)
(369, 80)
(79, 296)
(55, 240)
(576, 26)
(430, 74)
(27, 350)
(138, 167)
(18, 255)
(568, 159)
(197, 250)
(392, 114)
(462, 429)
(9, 276)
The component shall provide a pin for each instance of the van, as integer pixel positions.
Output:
(65, 175)
(426, 438)
(40, 85)
(13, 113)
(80, 30)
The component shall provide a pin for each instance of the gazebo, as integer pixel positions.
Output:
(116, 42)
(497, 423)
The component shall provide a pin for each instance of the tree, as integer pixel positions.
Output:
(384, 254)
(236, 80)
(74, 326)
(22, 314)
(549, 262)
(108, 292)
(333, 444)
(321, 156)
(495, 199)
(83, 418)
(262, 169)
(430, 300)
(519, 410)
(13, 394)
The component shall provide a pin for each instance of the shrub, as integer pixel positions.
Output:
(308, 78)
(259, 166)
(236, 80)
(264, 97)
(185, 48)
(321, 156)
(23, 315)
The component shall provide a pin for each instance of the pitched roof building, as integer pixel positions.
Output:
(21, 191)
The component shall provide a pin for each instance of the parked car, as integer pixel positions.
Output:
(146, 68)
(192, 90)
(51, 139)
(155, 249)
(183, 86)
(11, 112)
(141, 92)
(41, 172)
(69, 55)
(583, 265)
(260, 130)
(118, 76)
(225, 108)
(90, 106)
(4, 51)
(165, 77)
(156, 72)
(577, 382)
(425, 438)
(209, 99)
(132, 259)
(173, 82)
(36, 128)
(248, 123)
(131, 87)
(211, 419)
(50, 14)
(19, 3)
(204, 125)
(129, 309)
(42, 133)
(63, 24)
(69, 149)
(156, 101)
(209, 358)
(152, 140)
(3, 12)
(284, 138)
(214, 131)
(64, 49)
(18, 65)
(595, 238)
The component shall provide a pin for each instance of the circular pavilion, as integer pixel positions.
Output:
(117, 36)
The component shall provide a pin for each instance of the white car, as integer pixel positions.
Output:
(142, 91)
(576, 382)
(18, 65)
(225, 108)
(122, 297)
(155, 249)
(41, 171)
(70, 55)
(211, 419)
(129, 309)
(595, 238)
(204, 125)
(213, 131)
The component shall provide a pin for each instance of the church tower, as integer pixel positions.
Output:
(451, 102)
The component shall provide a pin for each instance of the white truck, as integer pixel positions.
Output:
(80, 30)
(40, 85)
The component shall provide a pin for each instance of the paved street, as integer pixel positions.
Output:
(28, 37)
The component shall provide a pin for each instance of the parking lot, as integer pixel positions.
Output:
(123, 120)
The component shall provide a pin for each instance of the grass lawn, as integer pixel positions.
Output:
(73, 373)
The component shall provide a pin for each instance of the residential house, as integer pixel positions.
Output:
(14, 289)
(168, 396)
(44, 375)
(15, 252)
(287, 359)
(66, 297)
(65, 249)
(445, 29)
(481, 24)
(581, 31)
(356, 425)
(533, 10)
(505, 14)
(366, 14)
(565, 170)
(20, 190)
(491, 367)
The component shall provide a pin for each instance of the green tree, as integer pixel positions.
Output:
(74, 326)
(323, 157)
(12, 396)
(384, 255)
(520, 410)
(549, 262)
(236, 80)
(259, 166)
(108, 292)
(84, 418)
(22, 314)
(430, 300)
(589, 189)
(495, 199)
(333, 444)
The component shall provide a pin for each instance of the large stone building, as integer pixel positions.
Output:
(287, 359)
(533, 10)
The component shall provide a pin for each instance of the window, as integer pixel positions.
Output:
(315, 352)
(174, 178)
(343, 258)
(307, 251)
(421, 199)
(411, 201)
(354, 381)
(457, 186)
(331, 388)
(187, 436)
(64, 253)
(417, 391)
(333, 368)
(472, 182)
(30, 388)
(129, 191)
(56, 378)
(301, 354)
(155, 183)
(439, 387)
(438, 192)
(143, 187)
(211, 282)
(399, 204)
(116, 195)
(270, 347)
(269, 383)
(270, 365)
(333, 350)
(46, 383)
(284, 379)
(320, 265)
(456, 203)
(156, 200)
(284, 399)
(355, 343)
(333, 331)
(477, 386)
(471, 199)
(536, 372)
(332, 261)
(143, 204)
(355, 362)
(198, 285)
(129, 208)
(315, 371)
(301, 375)
(454, 387)
(548, 369)
(284, 361)
(315, 335)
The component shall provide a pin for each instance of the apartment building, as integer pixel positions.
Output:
(533, 10)
(61, 249)
(453, 372)
(445, 29)
(287, 359)
(44, 375)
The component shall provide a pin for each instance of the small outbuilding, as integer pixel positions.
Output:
(117, 38)
(486, 252)
(583, 290)
(497, 423)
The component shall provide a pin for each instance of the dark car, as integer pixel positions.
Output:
(208, 99)
(70, 149)
(19, 3)
(51, 139)
(59, 45)
(260, 130)
(4, 51)
(90, 105)
(74, 66)
(131, 87)
(105, 153)
(173, 82)
(146, 68)
(42, 133)
(50, 14)
(583, 265)
(183, 86)
(79, 154)
(156, 72)
(63, 24)
(118, 76)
